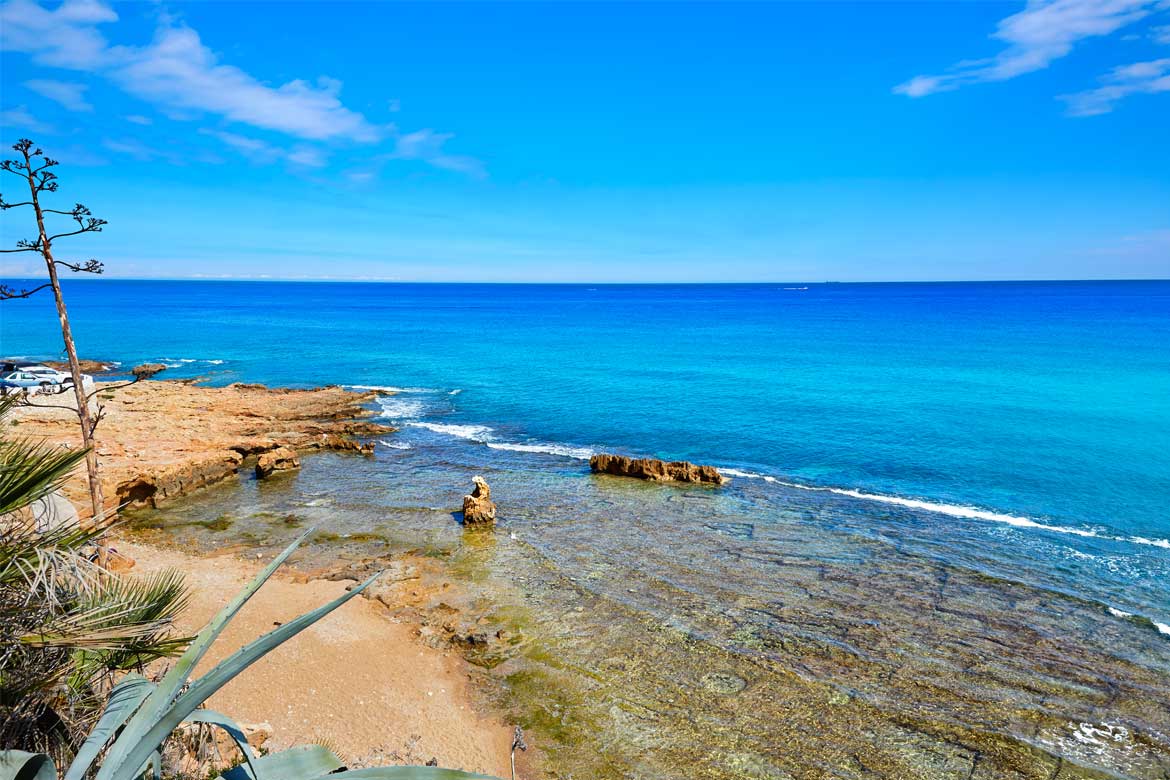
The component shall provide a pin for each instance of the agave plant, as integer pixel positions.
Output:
(127, 742)
(67, 628)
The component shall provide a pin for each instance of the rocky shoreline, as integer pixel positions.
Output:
(159, 440)
(402, 686)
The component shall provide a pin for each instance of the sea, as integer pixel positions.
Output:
(890, 447)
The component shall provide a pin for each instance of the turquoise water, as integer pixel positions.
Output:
(1039, 407)
(944, 552)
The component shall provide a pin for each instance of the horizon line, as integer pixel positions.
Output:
(325, 280)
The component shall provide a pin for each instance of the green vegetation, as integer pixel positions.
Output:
(67, 627)
(74, 639)
(140, 716)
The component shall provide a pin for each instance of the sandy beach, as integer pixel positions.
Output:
(361, 680)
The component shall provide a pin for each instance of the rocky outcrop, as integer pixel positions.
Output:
(655, 470)
(147, 370)
(279, 459)
(151, 487)
(159, 440)
(478, 507)
(340, 443)
(91, 367)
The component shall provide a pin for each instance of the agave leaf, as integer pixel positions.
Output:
(130, 691)
(232, 728)
(19, 765)
(133, 745)
(304, 762)
(405, 773)
(154, 732)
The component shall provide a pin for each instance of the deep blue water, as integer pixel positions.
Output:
(996, 403)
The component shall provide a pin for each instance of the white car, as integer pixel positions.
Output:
(49, 374)
(41, 379)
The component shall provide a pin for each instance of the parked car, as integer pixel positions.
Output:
(40, 379)
(28, 380)
(49, 374)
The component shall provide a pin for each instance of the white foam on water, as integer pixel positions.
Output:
(953, 510)
(1162, 628)
(170, 362)
(1119, 613)
(1163, 543)
(398, 408)
(480, 433)
(392, 389)
(744, 474)
(564, 450)
(395, 445)
(456, 391)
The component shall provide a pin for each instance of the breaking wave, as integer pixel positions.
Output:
(954, 510)
(480, 433)
(564, 450)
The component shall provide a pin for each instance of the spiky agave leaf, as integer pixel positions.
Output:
(140, 740)
(160, 702)
(65, 624)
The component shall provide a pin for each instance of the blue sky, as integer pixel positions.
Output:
(601, 142)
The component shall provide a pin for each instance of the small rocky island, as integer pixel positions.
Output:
(655, 470)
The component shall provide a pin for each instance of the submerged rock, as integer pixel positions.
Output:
(478, 507)
(340, 443)
(279, 459)
(654, 469)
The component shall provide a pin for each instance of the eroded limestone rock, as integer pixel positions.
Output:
(654, 469)
(478, 507)
(279, 459)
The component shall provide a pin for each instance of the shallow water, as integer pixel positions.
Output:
(745, 631)
(945, 552)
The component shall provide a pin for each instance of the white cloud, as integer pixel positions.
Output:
(19, 118)
(1161, 34)
(1138, 78)
(64, 38)
(1044, 31)
(67, 93)
(138, 119)
(181, 76)
(177, 71)
(427, 145)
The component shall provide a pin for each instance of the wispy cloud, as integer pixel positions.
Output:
(427, 145)
(138, 119)
(1044, 31)
(182, 77)
(177, 71)
(1138, 78)
(66, 37)
(67, 93)
(260, 151)
(18, 118)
